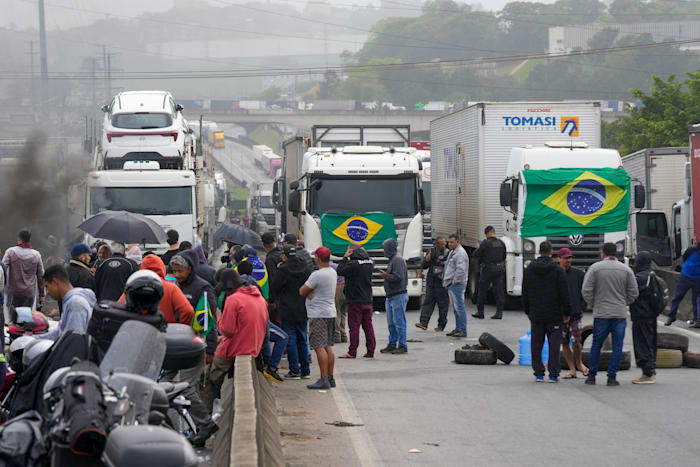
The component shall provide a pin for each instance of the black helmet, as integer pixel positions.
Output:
(143, 291)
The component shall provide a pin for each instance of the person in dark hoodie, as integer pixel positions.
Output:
(112, 274)
(184, 269)
(203, 269)
(546, 303)
(79, 270)
(357, 267)
(395, 286)
(643, 314)
(291, 274)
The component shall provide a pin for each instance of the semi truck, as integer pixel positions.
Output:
(480, 156)
(263, 212)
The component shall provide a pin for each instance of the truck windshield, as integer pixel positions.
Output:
(266, 202)
(141, 121)
(157, 201)
(348, 195)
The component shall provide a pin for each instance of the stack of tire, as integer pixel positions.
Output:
(672, 351)
(487, 352)
(605, 353)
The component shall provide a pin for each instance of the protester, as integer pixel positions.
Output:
(272, 355)
(491, 256)
(291, 275)
(341, 308)
(319, 291)
(203, 269)
(572, 329)
(104, 252)
(246, 219)
(242, 325)
(395, 287)
(134, 254)
(435, 293)
(455, 281)
(79, 269)
(302, 253)
(608, 288)
(173, 240)
(689, 280)
(113, 273)
(546, 303)
(25, 274)
(174, 305)
(644, 312)
(357, 267)
(76, 302)
(273, 256)
(184, 246)
(195, 289)
(3, 283)
(259, 273)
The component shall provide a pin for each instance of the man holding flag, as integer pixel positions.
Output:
(202, 297)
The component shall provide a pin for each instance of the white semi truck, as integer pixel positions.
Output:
(263, 212)
(481, 151)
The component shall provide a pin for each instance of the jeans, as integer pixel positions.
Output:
(396, 319)
(684, 284)
(360, 315)
(279, 339)
(214, 376)
(491, 274)
(435, 294)
(297, 347)
(554, 336)
(601, 328)
(456, 292)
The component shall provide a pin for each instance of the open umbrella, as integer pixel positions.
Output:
(123, 226)
(237, 234)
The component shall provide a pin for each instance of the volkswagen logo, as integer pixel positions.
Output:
(576, 240)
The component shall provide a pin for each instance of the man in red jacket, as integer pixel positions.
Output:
(242, 326)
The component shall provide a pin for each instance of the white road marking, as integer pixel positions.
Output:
(361, 441)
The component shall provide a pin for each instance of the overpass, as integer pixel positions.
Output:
(419, 120)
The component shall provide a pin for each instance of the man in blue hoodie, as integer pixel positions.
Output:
(395, 286)
(689, 280)
(77, 302)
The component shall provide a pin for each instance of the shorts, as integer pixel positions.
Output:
(321, 332)
(571, 330)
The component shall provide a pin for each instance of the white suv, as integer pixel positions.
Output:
(145, 125)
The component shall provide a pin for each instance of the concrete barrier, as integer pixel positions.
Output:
(685, 310)
(249, 432)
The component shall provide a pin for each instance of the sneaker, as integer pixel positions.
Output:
(669, 321)
(203, 434)
(478, 315)
(553, 379)
(612, 381)
(399, 350)
(331, 381)
(451, 332)
(695, 325)
(590, 379)
(422, 326)
(439, 329)
(387, 349)
(272, 375)
(368, 355)
(305, 375)
(292, 375)
(458, 334)
(539, 379)
(644, 379)
(322, 383)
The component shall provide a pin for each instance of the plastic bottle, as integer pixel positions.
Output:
(524, 352)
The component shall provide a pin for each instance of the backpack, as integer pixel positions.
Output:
(658, 293)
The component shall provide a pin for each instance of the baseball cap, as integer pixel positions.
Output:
(291, 239)
(268, 237)
(289, 250)
(322, 252)
(564, 253)
(79, 249)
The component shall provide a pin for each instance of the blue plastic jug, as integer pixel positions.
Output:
(525, 355)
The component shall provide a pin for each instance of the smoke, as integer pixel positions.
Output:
(43, 190)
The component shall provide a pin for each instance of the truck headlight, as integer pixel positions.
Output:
(620, 248)
(528, 247)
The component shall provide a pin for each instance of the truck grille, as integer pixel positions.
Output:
(380, 262)
(269, 219)
(585, 254)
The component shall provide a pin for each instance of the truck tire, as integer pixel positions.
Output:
(502, 351)
(473, 284)
(691, 359)
(587, 331)
(671, 340)
(471, 356)
(669, 358)
(605, 356)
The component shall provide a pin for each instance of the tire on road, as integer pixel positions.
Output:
(587, 331)
(605, 356)
(475, 357)
(669, 358)
(691, 359)
(503, 352)
(671, 340)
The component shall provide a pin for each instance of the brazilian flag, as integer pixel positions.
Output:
(369, 229)
(203, 321)
(562, 202)
(259, 274)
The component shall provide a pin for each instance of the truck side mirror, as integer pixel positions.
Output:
(276, 193)
(506, 194)
(294, 202)
(179, 108)
(105, 108)
(640, 197)
(294, 185)
(421, 199)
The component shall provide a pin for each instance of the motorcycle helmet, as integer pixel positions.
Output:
(34, 350)
(17, 350)
(53, 387)
(144, 290)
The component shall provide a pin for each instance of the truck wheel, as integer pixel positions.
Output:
(469, 356)
(691, 359)
(671, 340)
(669, 358)
(605, 356)
(473, 284)
(502, 351)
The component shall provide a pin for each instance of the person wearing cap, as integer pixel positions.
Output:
(571, 330)
(302, 253)
(79, 270)
(491, 256)
(319, 291)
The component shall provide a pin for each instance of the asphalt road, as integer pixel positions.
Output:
(491, 415)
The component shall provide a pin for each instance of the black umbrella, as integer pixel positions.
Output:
(123, 226)
(237, 234)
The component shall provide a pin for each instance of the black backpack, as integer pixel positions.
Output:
(658, 293)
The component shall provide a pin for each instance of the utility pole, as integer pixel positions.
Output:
(104, 63)
(33, 81)
(109, 76)
(92, 81)
(42, 52)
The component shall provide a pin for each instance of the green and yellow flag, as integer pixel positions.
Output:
(259, 274)
(563, 202)
(369, 229)
(203, 321)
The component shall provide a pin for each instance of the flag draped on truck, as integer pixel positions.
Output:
(369, 229)
(563, 202)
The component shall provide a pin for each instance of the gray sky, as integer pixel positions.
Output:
(23, 13)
